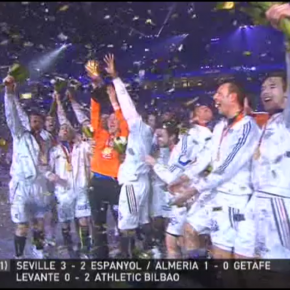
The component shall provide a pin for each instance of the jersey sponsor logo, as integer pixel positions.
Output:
(107, 153)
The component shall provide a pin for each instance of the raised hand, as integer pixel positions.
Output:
(10, 84)
(93, 69)
(110, 68)
(112, 94)
(276, 13)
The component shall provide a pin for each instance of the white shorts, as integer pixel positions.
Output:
(159, 200)
(134, 204)
(177, 221)
(73, 205)
(269, 223)
(28, 201)
(221, 217)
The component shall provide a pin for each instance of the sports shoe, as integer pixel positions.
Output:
(19, 257)
(38, 254)
(50, 242)
(156, 253)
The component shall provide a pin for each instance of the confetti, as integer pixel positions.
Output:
(63, 8)
(247, 53)
(149, 21)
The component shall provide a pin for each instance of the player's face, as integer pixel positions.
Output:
(113, 124)
(166, 117)
(50, 123)
(65, 133)
(204, 113)
(104, 120)
(272, 94)
(162, 138)
(36, 123)
(223, 99)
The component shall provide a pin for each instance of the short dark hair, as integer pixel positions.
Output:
(235, 87)
(172, 127)
(35, 112)
(281, 75)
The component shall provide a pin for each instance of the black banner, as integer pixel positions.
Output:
(144, 273)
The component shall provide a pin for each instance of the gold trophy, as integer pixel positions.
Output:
(2, 142)
(93, 69)
(18, 72)
(99, 93)
(59, 84)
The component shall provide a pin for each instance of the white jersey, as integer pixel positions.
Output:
(270, 168)
(186, 154)
(79, 112)
(231, 155)
(269, 171)
(162, 158)
(79, 174)
(139, 140)
(23, 120)
(26, 165)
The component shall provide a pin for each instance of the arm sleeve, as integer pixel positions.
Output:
(24, 119)
(61, 115)
(168, 174)
(96, 116)
(241, 153)
(79, 112)
(126, 103)
(287, 108)
(12, 118)
(124, 130)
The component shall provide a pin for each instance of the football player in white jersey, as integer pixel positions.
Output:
(268, 229)
(159, 208)
(28, 186)
(183, 155)
(233, 144)
(70, 159)
(133, 172)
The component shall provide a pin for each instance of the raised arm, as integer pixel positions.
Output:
(77, 108)
(12, 118)
(124, 130)
(22, 114)
(126, 103)
(61, 115)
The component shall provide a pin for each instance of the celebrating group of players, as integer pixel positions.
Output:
(168, 187)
